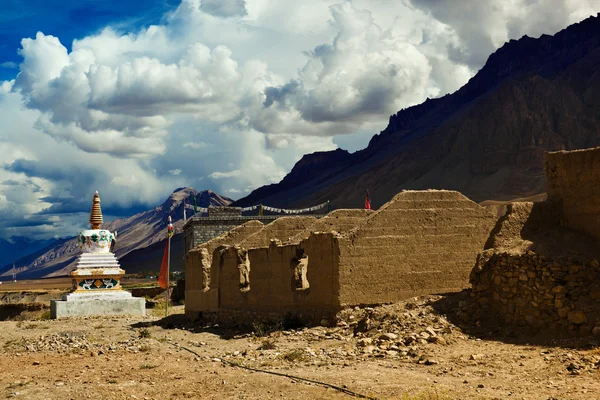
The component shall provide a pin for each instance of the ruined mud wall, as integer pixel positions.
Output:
(573, 179)
(421, 242)
(283, 229)
(542, 292)
(198, 264)
(273, 291)
(341, 221)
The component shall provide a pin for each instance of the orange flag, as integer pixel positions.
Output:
(367, 202)
(164, 267)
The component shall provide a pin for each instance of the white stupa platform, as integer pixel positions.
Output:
(97, 278)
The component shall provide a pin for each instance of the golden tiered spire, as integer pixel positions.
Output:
(96, 214)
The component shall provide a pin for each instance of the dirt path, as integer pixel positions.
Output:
(408, 349)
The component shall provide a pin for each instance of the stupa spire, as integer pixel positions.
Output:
(96, 214)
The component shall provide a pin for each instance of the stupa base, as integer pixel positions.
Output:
(118, 302)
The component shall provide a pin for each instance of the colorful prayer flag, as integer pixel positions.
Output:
(367, 202)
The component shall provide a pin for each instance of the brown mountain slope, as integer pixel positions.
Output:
(486, 140)
(135, 233)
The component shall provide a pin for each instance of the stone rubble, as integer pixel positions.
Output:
(407, 331)
(73, 342)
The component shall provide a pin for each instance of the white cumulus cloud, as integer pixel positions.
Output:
(229, 94)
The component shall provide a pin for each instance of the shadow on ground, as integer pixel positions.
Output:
(18, 311)
(460, 309)
(259, 329)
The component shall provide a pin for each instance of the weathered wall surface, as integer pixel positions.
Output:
(573, 179)
(421, 242)
(283, 229)
(273, 290)
(199, 260)
(341, 221)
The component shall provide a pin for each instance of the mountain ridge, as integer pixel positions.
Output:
(408, 152)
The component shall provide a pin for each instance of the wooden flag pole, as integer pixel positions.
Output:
(169, 235)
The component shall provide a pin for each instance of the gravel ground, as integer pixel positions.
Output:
(424, 348)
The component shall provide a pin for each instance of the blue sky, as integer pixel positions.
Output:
(136, 99)
(68, 20)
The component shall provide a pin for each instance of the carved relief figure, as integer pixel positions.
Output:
(108, 283)
(244, 267)
(299, 268)
(87, 284)
(205, 264)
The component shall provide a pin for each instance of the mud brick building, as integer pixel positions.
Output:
(420, 242)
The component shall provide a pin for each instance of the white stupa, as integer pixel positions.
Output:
(97, 277)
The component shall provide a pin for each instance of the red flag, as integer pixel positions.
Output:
(162, 277)
(367, 202)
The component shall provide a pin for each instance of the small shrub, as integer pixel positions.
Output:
(144, 333)
(267, 327)
(144, 348)
(31, 326)
(148, 366)
(294, 355)
(45, 315)
(267, 345)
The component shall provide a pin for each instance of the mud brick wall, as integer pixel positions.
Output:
(421, 242)
(196, 298)
(573, 179)
(341, 221)
(271, 279)
(200, 230)
(283, 229)
(542, 292)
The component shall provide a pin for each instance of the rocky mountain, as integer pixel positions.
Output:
(134, 234)
(486, 140)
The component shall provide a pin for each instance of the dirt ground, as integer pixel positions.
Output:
(419, 349)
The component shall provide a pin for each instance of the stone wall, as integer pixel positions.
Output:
(224, 211)
(537, 273)
(421, 242)
(272, 289)
(538, 291)
(573, 179)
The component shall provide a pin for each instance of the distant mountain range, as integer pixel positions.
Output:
(146, 230)
(486, 140)
(19, 246)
